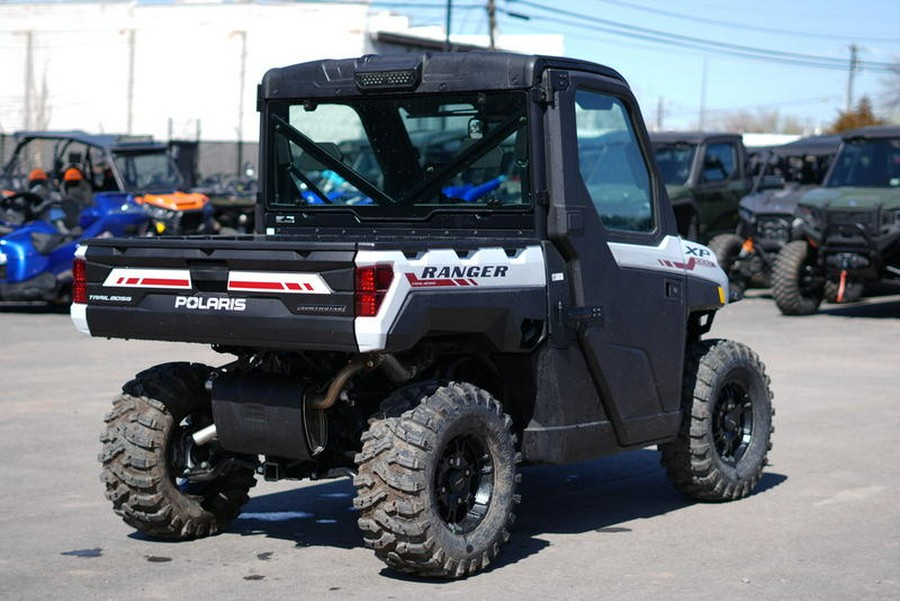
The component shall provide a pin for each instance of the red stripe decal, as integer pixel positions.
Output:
(256, 285)
(415, 282)
(164, 282)
(293, 286)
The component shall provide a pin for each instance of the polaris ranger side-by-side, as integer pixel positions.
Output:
(493, 277)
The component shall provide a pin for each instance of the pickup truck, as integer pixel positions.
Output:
(493, 278)
(706, 177)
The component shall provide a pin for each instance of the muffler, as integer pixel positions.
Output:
(266, 414)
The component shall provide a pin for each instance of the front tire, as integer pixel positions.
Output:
(148, 454)
(795, 286)
(436, 484)
(726, 429)
(727, 248)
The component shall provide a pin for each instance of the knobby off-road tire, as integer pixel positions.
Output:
(793, 288)
(727, 247)
(436, 487)
(726, 427)
(147, 447)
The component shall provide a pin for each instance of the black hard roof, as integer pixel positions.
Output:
(873, 131)
(440, 72)
(104, 141)
(810, 145)
(689, 137)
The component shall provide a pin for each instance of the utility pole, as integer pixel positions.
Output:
(447, 26)
(702, 119)
(29, 76)
(660, 109)
(854, 65)
(130, 118)
(240, 125)
(492, 23)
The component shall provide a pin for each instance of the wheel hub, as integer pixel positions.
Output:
(733, 422)
(463, 483)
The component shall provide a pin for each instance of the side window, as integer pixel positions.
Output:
(719, 162)
(612, 166)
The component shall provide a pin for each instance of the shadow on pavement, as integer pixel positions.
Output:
(868, 308)
(595, 496)
(878, 305)
(32, 308)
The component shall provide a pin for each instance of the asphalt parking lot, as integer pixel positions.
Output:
(825, 523)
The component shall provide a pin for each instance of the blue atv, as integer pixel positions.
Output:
(39, 238)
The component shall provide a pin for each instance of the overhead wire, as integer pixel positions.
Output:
(594, 23)
(745, 26)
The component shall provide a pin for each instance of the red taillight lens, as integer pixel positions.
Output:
(79, 282)
(372, 283)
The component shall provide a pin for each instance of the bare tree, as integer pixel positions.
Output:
(763, 121)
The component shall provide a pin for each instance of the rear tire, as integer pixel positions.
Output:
(726, 428)
(795, 287)
(436, 485)
(147, 447)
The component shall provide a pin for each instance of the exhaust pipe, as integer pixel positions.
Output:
(205, 435)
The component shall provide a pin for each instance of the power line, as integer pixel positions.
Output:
(689, 42)
(742, 26)
(442, 6)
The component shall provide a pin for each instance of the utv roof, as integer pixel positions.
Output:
(812, 145)
(120, 142)
(688, 137)
(438, 72)
(873, 131)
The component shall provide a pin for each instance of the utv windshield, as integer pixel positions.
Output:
(153, 172)
(674, 162)
(408, 155)
(867, 163)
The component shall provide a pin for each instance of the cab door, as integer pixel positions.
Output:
(719, 188)
(611, 221)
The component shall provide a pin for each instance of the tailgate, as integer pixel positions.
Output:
(248, 292)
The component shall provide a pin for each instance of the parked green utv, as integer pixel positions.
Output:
(706, 176)
(849, 228)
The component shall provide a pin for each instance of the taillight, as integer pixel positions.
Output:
(79, 282)
(372, 283)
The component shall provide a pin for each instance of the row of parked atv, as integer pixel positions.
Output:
(821, 221)
(61, 187)
(818, 219)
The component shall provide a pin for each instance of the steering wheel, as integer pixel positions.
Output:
(25, 202)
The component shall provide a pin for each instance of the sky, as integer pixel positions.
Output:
(701, 60)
